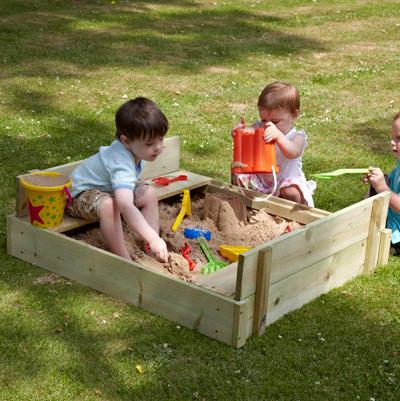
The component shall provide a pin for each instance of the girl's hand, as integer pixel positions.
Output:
(272, 132)
(237, 164)
(241, 125)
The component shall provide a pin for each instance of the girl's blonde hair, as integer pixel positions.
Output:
(279, 95)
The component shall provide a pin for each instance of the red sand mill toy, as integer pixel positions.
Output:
(250, 148)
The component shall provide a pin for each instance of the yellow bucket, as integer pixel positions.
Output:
(46, 194)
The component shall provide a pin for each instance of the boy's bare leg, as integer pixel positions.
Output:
(146, 200)
(111, 228)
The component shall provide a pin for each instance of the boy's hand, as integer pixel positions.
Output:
(272, 132)
(376, 178)
(159, 248)
(241, 125)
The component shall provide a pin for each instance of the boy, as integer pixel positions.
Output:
(377, 180)
(107, 185)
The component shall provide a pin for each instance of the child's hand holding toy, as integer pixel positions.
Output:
(272, 133)
(241, 125)
(376, 178)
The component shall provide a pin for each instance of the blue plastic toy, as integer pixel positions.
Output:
(195, 232)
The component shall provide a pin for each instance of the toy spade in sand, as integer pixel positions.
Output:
(341, 171)
(213, 264)
(186, 209)
(232, 252)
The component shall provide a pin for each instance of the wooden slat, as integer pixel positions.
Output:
(275, 206)
(294, 251)
(184, 303)
(300, 288)
(384, 247)
(262, 289)
(242, 328)
(377, 224)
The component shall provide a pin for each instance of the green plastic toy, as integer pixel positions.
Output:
(213, 264)
(341, 171)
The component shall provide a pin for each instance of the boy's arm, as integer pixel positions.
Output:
(136, 221)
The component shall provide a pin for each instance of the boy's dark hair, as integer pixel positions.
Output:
(140, 118)
(396, 117)
(279, 95)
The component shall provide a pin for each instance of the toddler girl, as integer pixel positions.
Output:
(279, 106)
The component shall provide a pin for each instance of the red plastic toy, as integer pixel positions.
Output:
(250, 148)
(164, 181)
(185, 250)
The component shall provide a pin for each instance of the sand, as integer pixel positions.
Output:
(225, 216)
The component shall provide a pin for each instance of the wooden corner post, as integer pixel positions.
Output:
(262, 287)
(376, 226)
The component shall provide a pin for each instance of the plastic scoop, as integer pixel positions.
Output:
(164, 181)
(341, 171)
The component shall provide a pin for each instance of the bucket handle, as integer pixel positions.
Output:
(69, 196)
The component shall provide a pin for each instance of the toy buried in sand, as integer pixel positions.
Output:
(164, 181)
(250, 149)
(185, 250)
(186, 209)
(195, 232)
(213, 264)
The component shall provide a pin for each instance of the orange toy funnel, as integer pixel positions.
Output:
(250, 148)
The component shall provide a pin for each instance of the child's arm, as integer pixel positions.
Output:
(377, 179)
(291, 148)
(136, 221)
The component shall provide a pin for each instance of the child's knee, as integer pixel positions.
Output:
(145, 195)
(107, 208)
(291, 193)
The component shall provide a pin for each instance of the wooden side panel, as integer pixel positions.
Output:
(166, 163)
(295, 251)
(298, 289)
(186, 304)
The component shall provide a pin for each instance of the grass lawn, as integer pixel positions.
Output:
(65, 67)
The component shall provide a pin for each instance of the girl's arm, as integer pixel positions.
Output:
(291, 148)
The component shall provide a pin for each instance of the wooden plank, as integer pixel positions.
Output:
(377, 224)
(184, 303)
(384, 247)
(275, 206)
(300, 288)
(262, 288)
(222, 281)
(294, 251)
(242, 328)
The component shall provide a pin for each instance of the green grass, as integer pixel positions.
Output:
(65, 66)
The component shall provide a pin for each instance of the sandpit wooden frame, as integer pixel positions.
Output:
(268, 281)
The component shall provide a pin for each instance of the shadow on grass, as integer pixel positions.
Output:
(56, 40)
(338, 347)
